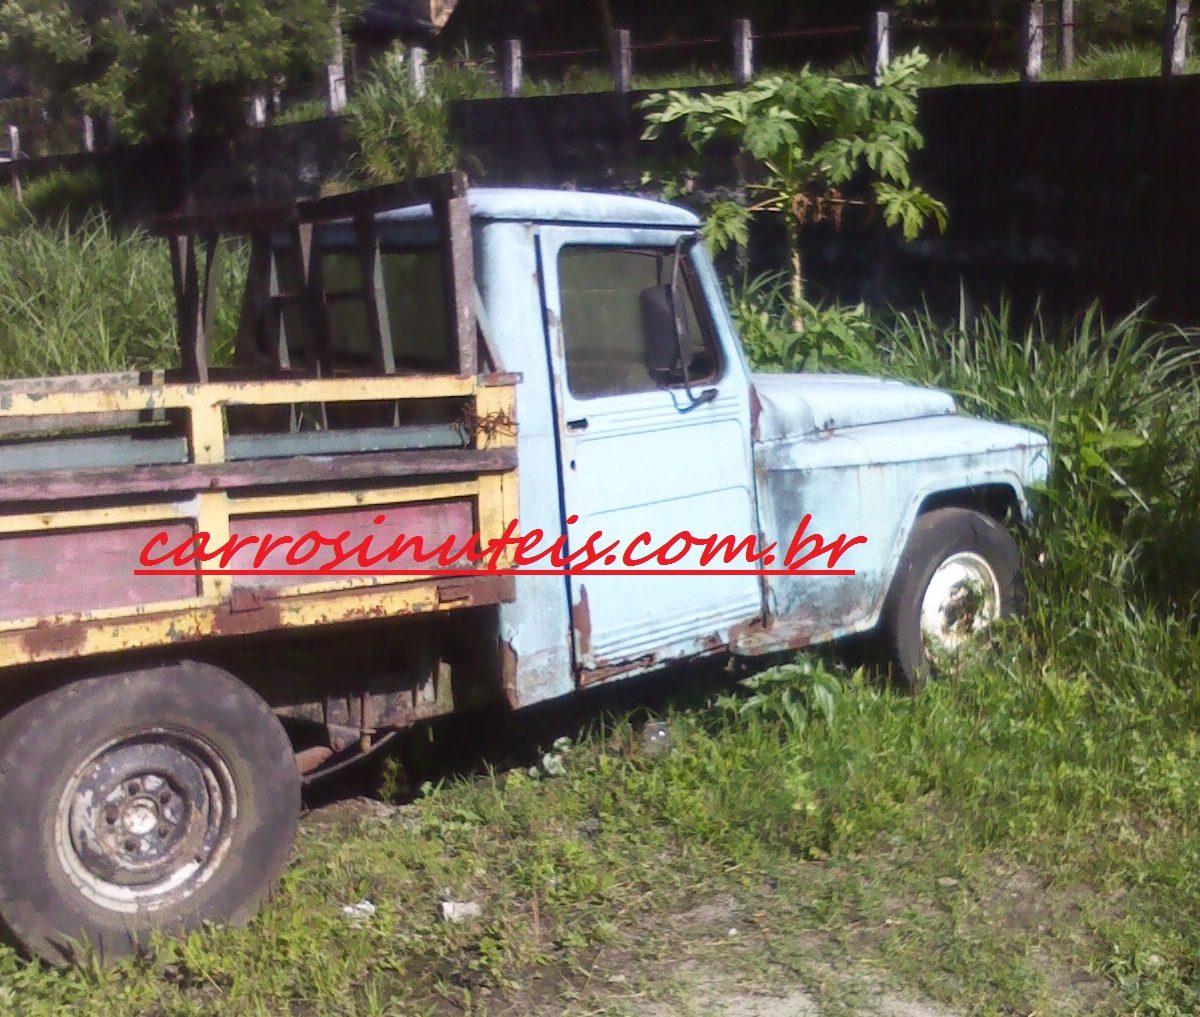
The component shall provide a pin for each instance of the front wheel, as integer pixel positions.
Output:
(157, 799)
(960, 571)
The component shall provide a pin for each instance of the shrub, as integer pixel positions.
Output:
(401, 134)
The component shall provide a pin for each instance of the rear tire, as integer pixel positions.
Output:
(960, 571)
(152, 800)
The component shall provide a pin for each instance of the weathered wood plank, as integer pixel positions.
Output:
(384, 198)
(313, 284)
(433, 523)
(374, 295)
(458, 260)
(47, 574)
(19, 402)
(77, 383)
(55, 485)
(402, 438)
(84, 638)
(90, 453)
(103, 451)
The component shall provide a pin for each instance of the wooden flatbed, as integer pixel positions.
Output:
(95, 471)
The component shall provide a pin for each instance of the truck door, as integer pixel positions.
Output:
(639, 455)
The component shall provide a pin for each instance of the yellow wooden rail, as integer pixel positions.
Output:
(492, 495)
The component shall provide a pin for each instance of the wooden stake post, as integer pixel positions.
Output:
(262, 335)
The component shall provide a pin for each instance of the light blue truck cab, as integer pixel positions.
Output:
(612, 442)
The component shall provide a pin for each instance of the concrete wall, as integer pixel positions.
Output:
(1062, 192)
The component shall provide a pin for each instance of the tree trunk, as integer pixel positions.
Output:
(792, 227)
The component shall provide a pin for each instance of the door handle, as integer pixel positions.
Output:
(577, 425)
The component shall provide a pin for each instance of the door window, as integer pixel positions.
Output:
(606, 348)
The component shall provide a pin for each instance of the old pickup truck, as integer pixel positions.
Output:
(455, 365)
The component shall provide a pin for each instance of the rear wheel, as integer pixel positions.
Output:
(960, 571)
(157, 799)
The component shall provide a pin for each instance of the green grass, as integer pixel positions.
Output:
(1118, 61)
(83, 299)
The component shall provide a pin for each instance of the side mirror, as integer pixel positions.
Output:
(666, 334)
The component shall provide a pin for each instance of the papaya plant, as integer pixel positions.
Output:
(809, 139)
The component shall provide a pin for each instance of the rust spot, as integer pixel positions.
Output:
(244, 619)
(242, 599)
(308, 760)
(604, 672)
(754, 639)
(581, 618)
(755, 412)
(500, 379)
(55, 641)
(508, 672)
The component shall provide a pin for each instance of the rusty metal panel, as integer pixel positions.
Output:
(65, 637)
(646, 460)
(871, 480)
(534, 628)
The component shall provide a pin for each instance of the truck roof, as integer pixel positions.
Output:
(529, 204)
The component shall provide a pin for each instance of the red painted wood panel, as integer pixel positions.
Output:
(434, 522)
(66, 571)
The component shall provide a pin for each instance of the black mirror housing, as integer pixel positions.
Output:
(664, 331)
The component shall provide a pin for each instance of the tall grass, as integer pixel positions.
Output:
(1070, 741)
(1082, 720)
(77, 300)
(1127, 60)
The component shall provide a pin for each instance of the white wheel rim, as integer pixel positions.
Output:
(962, 598)
(146, 820)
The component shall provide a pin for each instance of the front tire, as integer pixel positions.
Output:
(152, 800)
(960, 571)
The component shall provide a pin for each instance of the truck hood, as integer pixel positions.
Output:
(793, 405)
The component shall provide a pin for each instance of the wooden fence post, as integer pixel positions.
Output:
(335, 71)
(416, 69)
(1066, 34)
(1032, 41)
(743, 52)
(14, 149)
(880, 44)
(258, 109)
(622, 61)
(512, 67)
(1175, 38)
